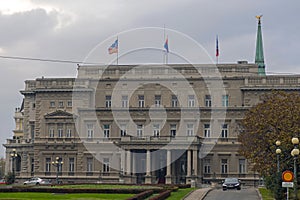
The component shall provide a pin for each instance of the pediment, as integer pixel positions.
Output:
(59, 114)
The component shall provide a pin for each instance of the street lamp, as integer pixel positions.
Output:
(295, 153)
(278, 152)
(13, 155)
(57, 163)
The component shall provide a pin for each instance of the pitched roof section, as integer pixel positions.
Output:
(59, 114)
(259, 55)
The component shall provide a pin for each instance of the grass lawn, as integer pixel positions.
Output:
(180, 193)
(266, 194)
(42, 196)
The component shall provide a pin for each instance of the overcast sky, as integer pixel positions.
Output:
(70, 30)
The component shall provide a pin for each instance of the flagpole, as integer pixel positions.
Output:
(164, 54)
(217, 49)
(118, 51)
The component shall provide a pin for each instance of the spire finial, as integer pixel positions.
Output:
(259, 54)
(258, 17)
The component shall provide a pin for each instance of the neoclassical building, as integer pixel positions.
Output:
(140, 124)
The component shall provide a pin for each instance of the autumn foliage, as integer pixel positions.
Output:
(277, 117)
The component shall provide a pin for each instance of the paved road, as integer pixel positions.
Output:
(243, 194)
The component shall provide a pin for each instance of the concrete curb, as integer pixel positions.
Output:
(258, 193)
(188, 194)
(205, 193)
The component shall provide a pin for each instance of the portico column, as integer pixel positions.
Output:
(189, 162)
(123, 166)
(195, 162)
(128, 162)
(148, 158)
(169, 162)
(148, 167)
(168, 175)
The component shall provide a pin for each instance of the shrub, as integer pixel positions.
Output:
(162, 195)
(142, 195)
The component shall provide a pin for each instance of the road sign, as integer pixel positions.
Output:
(287, 176)
(287, 184)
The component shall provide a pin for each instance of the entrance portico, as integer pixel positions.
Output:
(154, 163)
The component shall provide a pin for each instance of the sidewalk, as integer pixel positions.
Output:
(198, 194)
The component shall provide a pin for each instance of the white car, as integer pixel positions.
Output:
(34, 181)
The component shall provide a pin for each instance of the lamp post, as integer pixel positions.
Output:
(13, 155)
(57, 163)
(295, 153)
(278, 152)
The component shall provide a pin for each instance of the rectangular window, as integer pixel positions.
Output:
(48, 165)
(90, 130)
(225, 102)
(123, 130)
(224, 166)
(51, 132)
(69, 133)
(224, 131)
(71, 164)
(206, 164)
(61, 104)
(157, 100)
(141, 101)
(124, 101)
(106, 130)
(60, 131)
(105, 164)
(242, 166)
(174, 101)
(190, 130)
(89, 165)
(173, 130)
(69, 104)
(207, 101)
(139, 131)
(108, 101)
(207, 130)
(32, 130)
(156, 130)
(191, 101)
(52, 104)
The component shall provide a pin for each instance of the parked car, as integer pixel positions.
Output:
(36, 181)
(2, 182)
(231, 183)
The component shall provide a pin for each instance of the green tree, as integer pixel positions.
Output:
(277, 117)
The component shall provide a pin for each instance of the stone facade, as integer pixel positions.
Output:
(139, 124)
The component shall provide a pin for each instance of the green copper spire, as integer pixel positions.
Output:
(259, 55)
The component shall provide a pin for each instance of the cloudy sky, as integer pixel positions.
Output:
(72, 29)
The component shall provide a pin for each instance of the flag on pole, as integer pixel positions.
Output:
(113, 48)
(217, 47)
(166, 45)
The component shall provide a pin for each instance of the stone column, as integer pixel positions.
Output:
(122, 164)
(148, 167)
(189, 156)
(169, 164)
(195, 162)
(189, 159)
(128, 168)
(148, 163)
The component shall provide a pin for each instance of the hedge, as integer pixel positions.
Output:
(162, 195)
(142, 195)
